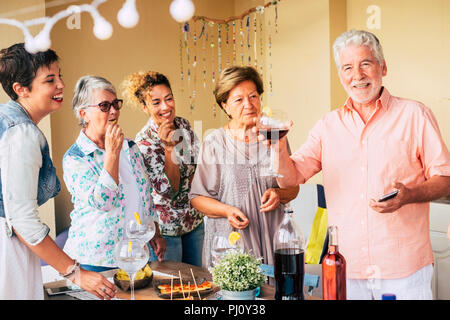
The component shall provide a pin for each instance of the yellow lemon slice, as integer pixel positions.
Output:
(148, 271)
(130, 246)
(267, 111)
(122, 275)
(234, 237)
(139, 275)
(137, 217)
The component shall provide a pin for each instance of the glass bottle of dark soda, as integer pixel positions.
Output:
(289, 265)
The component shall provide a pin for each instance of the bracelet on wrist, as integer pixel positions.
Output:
(72, 270)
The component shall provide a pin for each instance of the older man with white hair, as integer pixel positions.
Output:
(376, 143)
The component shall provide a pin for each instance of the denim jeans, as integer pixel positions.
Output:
(186, 248)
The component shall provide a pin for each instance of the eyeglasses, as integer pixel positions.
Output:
(105, 106)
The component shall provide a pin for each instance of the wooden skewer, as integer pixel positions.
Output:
(189, 288)
(195, 282)
(171, 287)
(181, 282)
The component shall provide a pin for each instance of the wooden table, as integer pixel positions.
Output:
(172, 268)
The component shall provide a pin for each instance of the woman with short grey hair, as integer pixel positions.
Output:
(106, 176)
(83, 91)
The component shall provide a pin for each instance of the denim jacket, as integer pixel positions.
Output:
(23, 144)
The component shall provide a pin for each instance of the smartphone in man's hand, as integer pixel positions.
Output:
(388, 196)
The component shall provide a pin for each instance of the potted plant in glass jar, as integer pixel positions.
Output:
(238, 274)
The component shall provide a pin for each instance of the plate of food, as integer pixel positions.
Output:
(172, 289)
(142, 279)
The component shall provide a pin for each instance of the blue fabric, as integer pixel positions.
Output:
(310, 280)
(95, 268)
(12, 114)
(186, 248)
(321, 197)
(60, 241)
(321, 202)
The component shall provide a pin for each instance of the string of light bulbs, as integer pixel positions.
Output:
(127, 16)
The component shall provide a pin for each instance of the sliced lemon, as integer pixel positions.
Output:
(139, 275)
(234, 237)
(130, 246)
(122, 275)
(148, 271)
(137, 217)
(267, 111)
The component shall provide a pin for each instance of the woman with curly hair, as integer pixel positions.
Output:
(170, 149)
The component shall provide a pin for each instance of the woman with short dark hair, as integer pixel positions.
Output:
(28, 178)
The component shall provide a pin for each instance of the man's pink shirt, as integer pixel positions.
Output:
(400, 142)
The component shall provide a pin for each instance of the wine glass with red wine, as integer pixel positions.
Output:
(273, 125)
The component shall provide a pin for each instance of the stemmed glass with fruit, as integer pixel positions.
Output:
(223, 243)
(140, 227)
(131, 255)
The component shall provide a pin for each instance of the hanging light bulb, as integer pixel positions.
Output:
(30, 44)
(102, 28)
(128, 16)
(42, 41)
(182, 10)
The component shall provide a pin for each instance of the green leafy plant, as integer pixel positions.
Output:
(238, 271)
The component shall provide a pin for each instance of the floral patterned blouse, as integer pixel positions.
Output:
(99, 203)
(175, 215)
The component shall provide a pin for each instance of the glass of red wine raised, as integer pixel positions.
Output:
(273, 125)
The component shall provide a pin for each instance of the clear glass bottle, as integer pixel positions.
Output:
(333, 269)
(289, 260)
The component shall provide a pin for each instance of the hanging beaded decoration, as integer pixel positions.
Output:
(213, 66)
(223, 51)
(194, 65)
(219, 40)
(260, 9)
(227, 42)
(234, 43)
(269, 46)
(186, 30)
(241, 32)
(204, 33)
(248, 41)
(255, 38)
(276, 16)
(219, 47)
(181, 59)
